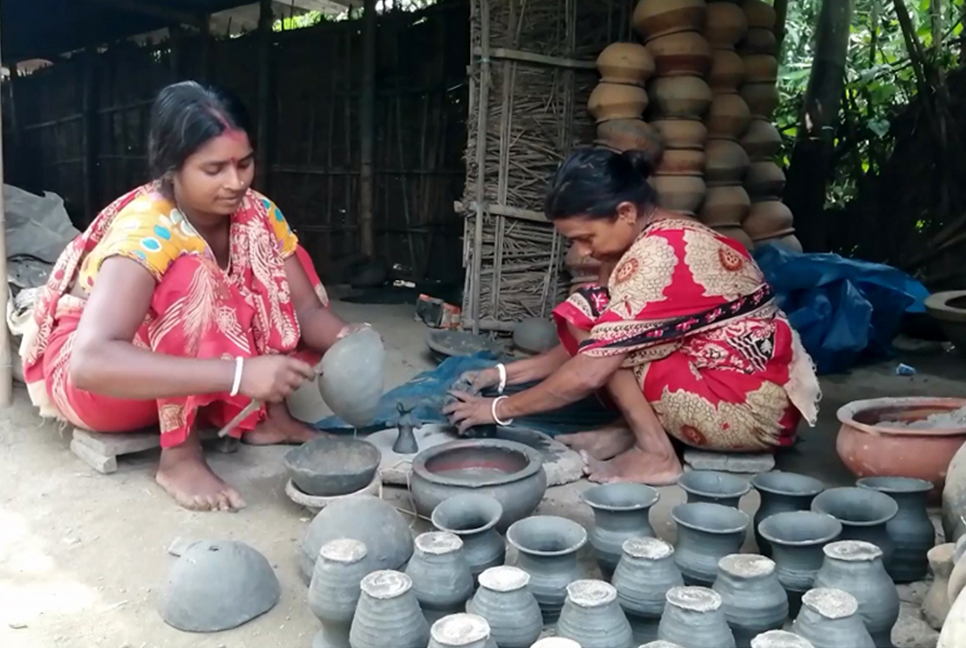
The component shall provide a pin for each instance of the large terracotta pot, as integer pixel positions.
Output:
(725, 206)
(725, 25)
(759, 14)
(727, 162)
(768, 219)
(687, 97)
(762, 98)
(630, 135)
(680, 193)
(628, 63)
(765, 179)
(681, 54)
(759, 41)
(727, 71)
(735, 233)
(728, 117)
(611, 101)
(762, 140)
(654, 18)
(682, 162)
(761, 68)
(680, 133)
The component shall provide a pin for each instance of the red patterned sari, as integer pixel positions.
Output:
(713, 354)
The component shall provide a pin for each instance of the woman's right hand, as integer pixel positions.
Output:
(473, 382)
(273, 378)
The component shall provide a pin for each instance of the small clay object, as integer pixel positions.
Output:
(911, 530)
(352, 377)
(644, 576)
(218, 585)
(864, 514)
(473, 517)
(405, 443)
(936, 604)
(762, 140)
(752, 598)
(713, 487)
(505, 601)
(728, 117)
(830, 619)
(334, 591)
(388, 614)
(694, 618)
(620, 512)
(592, 617)
(782, 492)
(535, 335)
(460, 631)
(441, 578)
(780, 639)
(724, 206)
(706, 534)
(628, 63)
(330, 466)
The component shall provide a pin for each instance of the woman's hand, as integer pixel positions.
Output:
(474, 382)
(349, 329)
(467, 411)
(273, 378)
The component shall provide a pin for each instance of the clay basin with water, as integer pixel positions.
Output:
(509, 472)
(331, 466)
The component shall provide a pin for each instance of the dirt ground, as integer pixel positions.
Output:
(83, 556)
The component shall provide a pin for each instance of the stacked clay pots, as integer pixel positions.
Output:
(619, 100)
(673, 31)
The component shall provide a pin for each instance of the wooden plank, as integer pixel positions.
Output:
(533, 57)
(501, 210)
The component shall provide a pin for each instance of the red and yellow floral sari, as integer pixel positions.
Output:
(713, 354)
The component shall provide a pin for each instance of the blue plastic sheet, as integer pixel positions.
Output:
(847, 311)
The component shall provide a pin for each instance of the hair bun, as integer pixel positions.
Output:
(642, 161)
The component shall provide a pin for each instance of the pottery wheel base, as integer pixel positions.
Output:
(317, 503)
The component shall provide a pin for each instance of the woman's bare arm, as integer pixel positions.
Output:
(320, 326)
(537, 367)
(578, 377)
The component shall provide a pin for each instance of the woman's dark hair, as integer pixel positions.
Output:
(185, 116)
(592, 182)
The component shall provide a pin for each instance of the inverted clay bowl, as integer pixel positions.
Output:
(681, 54)
(509, 472)
(759, 14)
(683, 194)
(735, 233)
(330, 466)
(610, 101)
(949, 309)
(759, 41)
(627, 63)
(762, 98)
(682, 162)
(726, 24)
(786, 240)
(765, 179)
(727, 162)
(653, 18)
(768, 219)
(713, 487)
(762, 140)
(352, 377)
(706, 534)
(728, 117)
(685, 97)
(679, 133)
(630, 135)
(727, 71)
(761, 68)
(724, 206)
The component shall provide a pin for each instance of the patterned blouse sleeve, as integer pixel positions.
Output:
(139, 236)
(287, 239)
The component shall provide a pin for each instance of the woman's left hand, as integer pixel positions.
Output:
(467, 411)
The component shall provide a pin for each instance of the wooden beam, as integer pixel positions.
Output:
(501, 210)
(505, 53)
(367, 126)
(6, 368)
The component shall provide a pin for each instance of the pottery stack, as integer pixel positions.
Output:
(620, 99)
(673, 33)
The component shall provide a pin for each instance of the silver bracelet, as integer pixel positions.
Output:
(502, 386)
(496, 419)
(239, 368)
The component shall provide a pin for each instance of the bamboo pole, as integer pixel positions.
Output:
(6, 367)
(265, 19)
(367, 124)
(481, 128)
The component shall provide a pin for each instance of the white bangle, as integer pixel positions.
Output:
(496, 419)
(502, 369)
(239, 368)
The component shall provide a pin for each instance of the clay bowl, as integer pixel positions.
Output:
(446, 344)
(949, 309)
(765, 179)
(735, 233)
(725, 206)
(535, 335)
(768, 219)
(713, 487)
(870, 448)
(684, 194)
(727, 162)
(352, 377)
(728, 117)
(330, 466)
(628, 63)
(509, 472)
(760, 14)
(762, 98)
(761, 68)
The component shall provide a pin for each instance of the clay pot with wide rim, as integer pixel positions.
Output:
(727, 162)
(681, 54)
(728, 117)
(678, 162)
(768, 219)
(762, 140)
(765, 179)
(759, 41)
(753, 599)
(864, 514)
(611, 101)
(796, 539)
(680, 133)
(654, 18)
(727, 71)
(725, 25)
(911, 530)
(626, 63)
(782, 492)
(761, 68)
(949, 309)
(760, 14)
(473, 517)
(713, 487)
(686, 97)
(762, 98)
(735, 233)
(683, 194)
(830, 619)
(630, 135)
(724, 206)
(694, 617)
(706, 534)
(620, 513)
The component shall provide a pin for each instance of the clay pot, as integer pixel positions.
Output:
(949, 309)
(759, 41)
(761, 68)
(725, 206)
(864, 514)
(735, 233)
(830, 619)
(461, 631)
(954, 498)
(660, 643)
(620, 513)
(548, 549)
(713, 487)
(911, 530)
(630, 135)
(765, 180)
(535, 335)
(762, 98)
(626, 63)
(556, 642)
(683, 194)
(352, 377)
(762, 140)
(954, 631)
(592, 617)
(654, 18)
(727, 162)
(330, 466)
(782, 492)
(680, 133)
(611, 101)
(725, 25)
(936, 604)
(505, 601)
(473, 517)
(768, 219)
(797, 539)
(706, 534)
(786, 240)
(334, 591)
(728, 117)
(856, 568)
(388, 614)
(727, 71)
(752, 598)
(643, 578)
(441, 578)
(682, 162)
(780, 639)
(759, 14)
(694, 618)
(681, 54)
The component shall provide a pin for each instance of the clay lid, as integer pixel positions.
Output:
(438, 543)
(591, 593)
(386, 584)
(344, 550)
(831, 603)
(696, 599)
(648, 548)
(660, 643)
(780, 639)
(460, 630)
(504, 578)
(555, 642)
(747, 565)
(852, 551)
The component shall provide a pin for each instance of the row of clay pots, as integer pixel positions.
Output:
(610, 101)
(654, 18)
(625, 63)
(630, 135)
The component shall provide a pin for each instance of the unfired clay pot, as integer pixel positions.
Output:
(334, 591)
(352, 377)
(725, 25)
(759, 14)
(461, 631)
(735, 233)
(830, 619)
(797, 539)
(473, 517)
(765, 179)
(505, 601)
(752, 598)
(728, 117)
(727, 71)
(713, 486)
(684, 194)
(694, 618)
(706, 534)
(630, 135)
(679, 133)
(762, 140)
(682, 162)
(864, 514)
(911, 530)
(759, 41)
(535, 335)
(615, 101)
(767, 219)
(592, 617)
(936, 604)
(762, 98)
(388, 614)
(653, 18)
(761, 68)
(626, 63)
(441, 577)
(727, 162)
(620, 512)
(782, 492)
(724, 206)
(780, 639)
(681, 54)
(644, 576)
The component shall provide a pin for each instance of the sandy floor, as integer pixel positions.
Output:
(83, 556)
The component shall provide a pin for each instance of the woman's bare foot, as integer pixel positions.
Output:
(601, 444)
(636, 466)
(280, 428)
(186, 477)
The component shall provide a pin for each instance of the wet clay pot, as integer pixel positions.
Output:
(630, 135)
(762, 140)
(761, 68)
(441, 578)
(759, 41)
(592, 617)
(644, 576)
(782, 492)
(685, 97)
(768, 218)
(330, 466)
(505, 601)
(334, 591)
(681, 54)
(713, 486)
(780, 639)
(752, 598)
(765, 180)
(830, 619)
(762, 98)
(679, 133)
(911, 530)
(682, 162)
(727, 71)
(548, 547)
(610, 101)
(706, 534)
(694, 618)
(728, 117)
(684, 194)
(725, 25)
(725, 205)
(352, 377)
(856, 567)
(461, 631)
(620, 512)
(654, 18)
(936, 604)
(473, 517)
(625, 63)
(735, 233)
(727, 162)
(388, 614)
(759, 14)
(864, 514)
